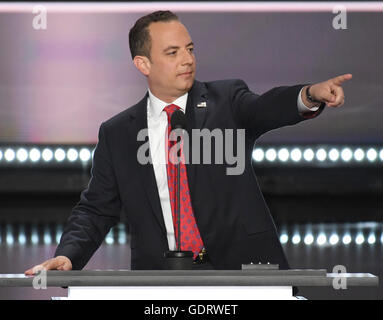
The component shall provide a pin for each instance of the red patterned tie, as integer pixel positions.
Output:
(190, 236)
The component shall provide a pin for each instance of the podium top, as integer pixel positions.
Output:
(250, 277)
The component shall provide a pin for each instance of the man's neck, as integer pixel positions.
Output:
(168, 98)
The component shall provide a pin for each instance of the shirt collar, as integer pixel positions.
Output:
(156, 106)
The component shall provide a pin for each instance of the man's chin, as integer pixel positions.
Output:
(187, 85)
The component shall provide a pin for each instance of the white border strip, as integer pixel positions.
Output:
(140, 7)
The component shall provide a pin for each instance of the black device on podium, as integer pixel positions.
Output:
(178, 259)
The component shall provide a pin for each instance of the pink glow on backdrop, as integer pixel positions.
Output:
(235, 6)
(58, 85)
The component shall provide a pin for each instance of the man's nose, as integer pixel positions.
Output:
(187, 57)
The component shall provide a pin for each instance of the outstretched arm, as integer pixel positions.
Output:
(278, 107)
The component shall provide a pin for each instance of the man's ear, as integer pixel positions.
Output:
(142, 63)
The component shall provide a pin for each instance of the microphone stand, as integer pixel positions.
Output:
(178, 260)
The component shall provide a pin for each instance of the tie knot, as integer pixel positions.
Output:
(170, 109)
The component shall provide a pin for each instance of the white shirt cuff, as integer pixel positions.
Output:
(302, 108)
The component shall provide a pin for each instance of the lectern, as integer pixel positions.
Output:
(253, 282)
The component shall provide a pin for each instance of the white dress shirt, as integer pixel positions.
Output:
(157, 129)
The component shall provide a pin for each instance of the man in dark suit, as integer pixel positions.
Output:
(231, 220)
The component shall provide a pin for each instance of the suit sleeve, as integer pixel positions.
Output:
(97, 211)
(261, 113)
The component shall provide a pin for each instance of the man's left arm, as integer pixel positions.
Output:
(279, 106)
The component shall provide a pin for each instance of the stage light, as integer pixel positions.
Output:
(372, 154)
(59, 154)
(308, 155)
(309, 239)
(346, 154)
(9, 239)
(47, 155)
(346, 239)
(359, 154)
(22, 155)
(321, 240)
(334, 239)
(271, 155)
(296, 239)
(380, 155)
(34, 155)
(321, 154)
(59, 232)
(283, 154)
(371, 239)
(296, 155)
(72, 154)
(284, 238)
(34, 235)
(121, 234)
(47, 236)
(1, 155)
(258, 154)
(333, 154)
(22, 239)
(9, 155)
(109, 238)
(359, 239)
(9, 235)
(85, 154)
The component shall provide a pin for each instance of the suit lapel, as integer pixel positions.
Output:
(195, 119)
(138, 122)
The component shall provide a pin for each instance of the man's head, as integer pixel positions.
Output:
(162, 50)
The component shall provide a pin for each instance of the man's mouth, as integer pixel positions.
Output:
(186, 73)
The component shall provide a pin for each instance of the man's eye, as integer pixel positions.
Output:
(191, 49)
(173, 52)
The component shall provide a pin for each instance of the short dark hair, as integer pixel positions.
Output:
(139, 37)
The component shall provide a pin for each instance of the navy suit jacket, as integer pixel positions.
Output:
(232, 216)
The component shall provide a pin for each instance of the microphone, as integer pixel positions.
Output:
(178, 260)
(178, 120)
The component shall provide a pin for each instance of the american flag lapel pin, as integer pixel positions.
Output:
(201, 104)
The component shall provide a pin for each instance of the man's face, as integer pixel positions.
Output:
(172, 66)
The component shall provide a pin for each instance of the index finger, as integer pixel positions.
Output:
(340, 79)
(46, 265)
(34, 270)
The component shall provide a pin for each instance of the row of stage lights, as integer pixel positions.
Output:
(38, 155)
(52, 235)
(330, 240)
(118, 235)
(298, 155)
(319, 155)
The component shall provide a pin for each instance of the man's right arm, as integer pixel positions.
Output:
(97, 211)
